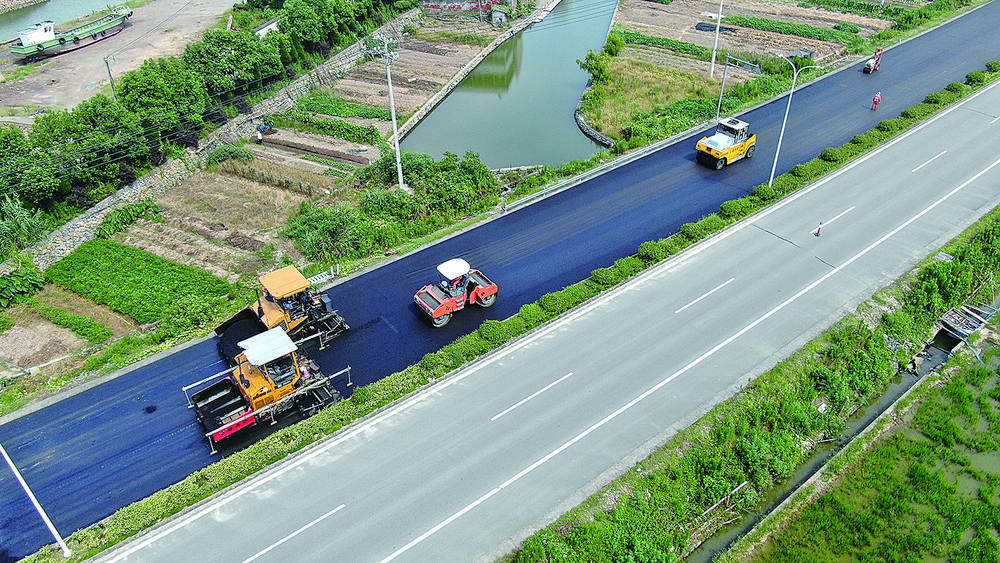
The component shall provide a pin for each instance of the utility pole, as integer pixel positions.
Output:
(381, 45)
(34, 501)
(107, 61)
(718, 25)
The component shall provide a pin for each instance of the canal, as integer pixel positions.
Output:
(516, 107)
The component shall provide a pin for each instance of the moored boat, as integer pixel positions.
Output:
(42, 40)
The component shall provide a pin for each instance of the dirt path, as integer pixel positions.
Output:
(159, 28)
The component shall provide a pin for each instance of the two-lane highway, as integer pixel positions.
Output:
(467, 470)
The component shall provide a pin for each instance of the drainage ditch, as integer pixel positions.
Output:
(934, 354)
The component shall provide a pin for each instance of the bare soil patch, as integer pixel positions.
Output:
(678, 19)
(220, 223)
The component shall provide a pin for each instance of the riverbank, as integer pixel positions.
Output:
(11, 5)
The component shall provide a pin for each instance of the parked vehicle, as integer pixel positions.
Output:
(732, 141)
(461, 285)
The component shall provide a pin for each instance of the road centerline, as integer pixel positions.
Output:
(717, 288)
(930, 160)
(532, 396)
(686, 368)
(293, 534)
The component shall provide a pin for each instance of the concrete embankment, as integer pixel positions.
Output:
(537, 16)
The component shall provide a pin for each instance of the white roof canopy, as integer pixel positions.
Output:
(454, 268)
(267, 346)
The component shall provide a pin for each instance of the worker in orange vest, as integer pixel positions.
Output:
(876, 100)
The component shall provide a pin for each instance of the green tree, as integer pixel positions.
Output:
(597, 65)
(93, 141)
(167, 96)
(230, 61)
(23, 171)
(307, 20)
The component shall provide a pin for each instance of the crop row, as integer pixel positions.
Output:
(332, 105)
(338, 128)
(798, 29)
(93, 331)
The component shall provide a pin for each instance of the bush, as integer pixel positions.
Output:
(579, 292)
(229, 152)
(976, 78)
(891, 125)
(765, 192)
(735, 208)
(993, 66)
(653, 251)
(800, 170)
(493, 332)
(17, 285)
(919, 111)
(934, 98)
(957, 87)
(832, 154)
(533, 314)
(606, 277)
(629, 266)
(554, 302)
(788, 183)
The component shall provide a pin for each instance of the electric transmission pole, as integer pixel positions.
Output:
(382, 45)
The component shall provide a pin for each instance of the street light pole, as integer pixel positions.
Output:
(795, 77)
(389, 56)
(34, 501)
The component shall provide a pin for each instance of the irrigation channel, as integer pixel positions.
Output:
(516, 108)
(935, 353)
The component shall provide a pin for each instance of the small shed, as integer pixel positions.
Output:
(265, 27)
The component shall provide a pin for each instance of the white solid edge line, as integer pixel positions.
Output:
(717, 288)
(532, 396)
(566, 319)
(928, 161)
(293, 534)
(684, 369)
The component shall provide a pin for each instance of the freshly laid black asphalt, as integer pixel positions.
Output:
(99, 450)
